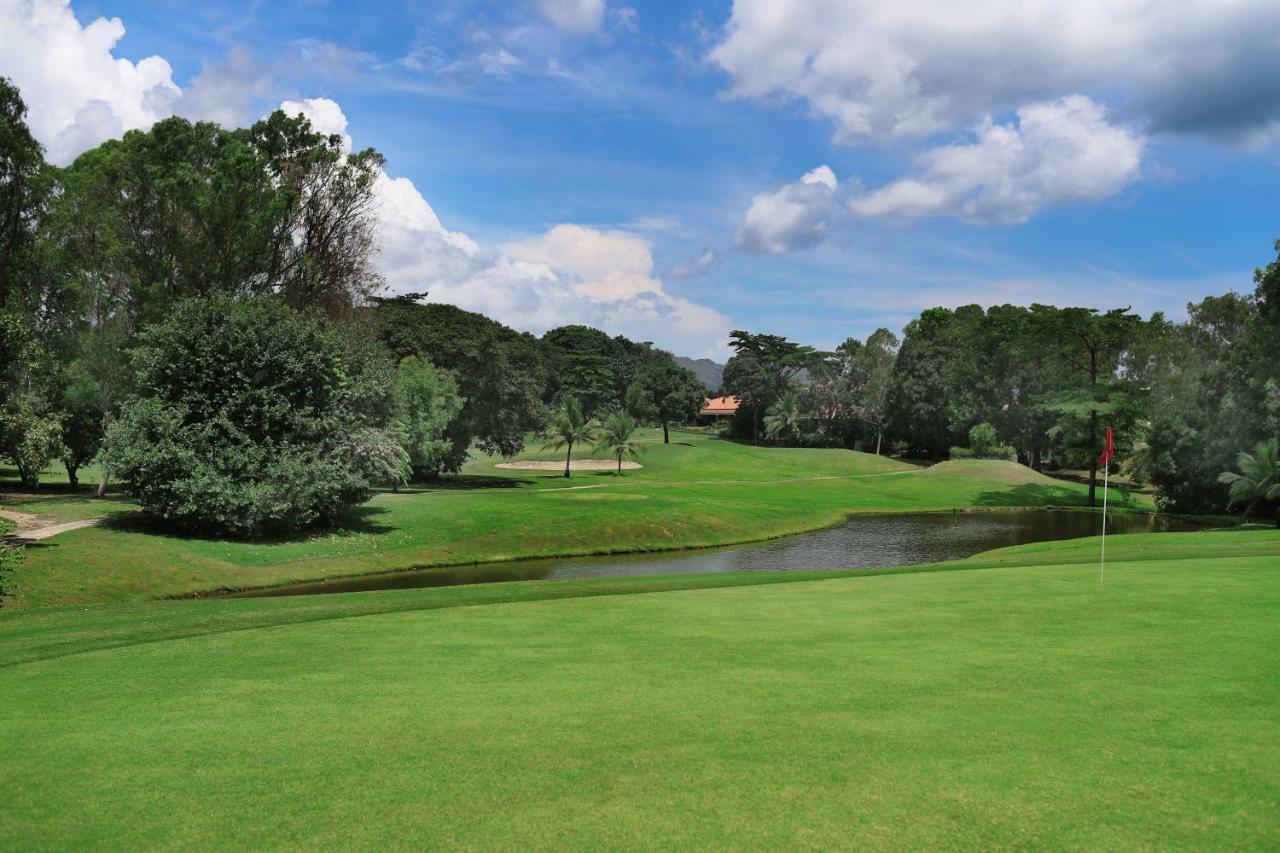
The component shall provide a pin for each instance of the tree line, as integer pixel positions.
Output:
(197, 309)
(1038, 384)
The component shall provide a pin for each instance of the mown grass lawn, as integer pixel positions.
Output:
(1006, 706)
(697, 491)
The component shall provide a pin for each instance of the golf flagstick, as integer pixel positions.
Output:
(1105, 460)
(1102, 567)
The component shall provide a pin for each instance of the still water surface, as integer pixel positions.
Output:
(865, 542)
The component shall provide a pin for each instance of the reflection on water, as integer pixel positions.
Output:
(866, 542)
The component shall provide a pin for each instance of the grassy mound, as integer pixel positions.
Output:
(994, 470)
(995, 707)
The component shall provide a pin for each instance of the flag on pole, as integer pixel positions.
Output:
(1105, 461)
(1110, 452)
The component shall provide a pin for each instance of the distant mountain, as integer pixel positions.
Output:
(711, 373)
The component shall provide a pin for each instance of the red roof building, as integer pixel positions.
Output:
(719, 407)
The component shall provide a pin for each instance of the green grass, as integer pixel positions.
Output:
(1018, 705)
(698, 491)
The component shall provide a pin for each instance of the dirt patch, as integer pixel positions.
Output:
(575, 465)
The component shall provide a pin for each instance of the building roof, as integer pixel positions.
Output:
(720, 406)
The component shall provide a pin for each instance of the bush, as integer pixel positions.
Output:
(982, 440)
(9, 559)
(253, 419)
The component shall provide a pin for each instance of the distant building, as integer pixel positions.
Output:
(717, 409)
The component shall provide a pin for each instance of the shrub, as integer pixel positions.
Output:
(9, 559)
(252, 419)
(982, 440)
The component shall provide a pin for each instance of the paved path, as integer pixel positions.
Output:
(32, 528)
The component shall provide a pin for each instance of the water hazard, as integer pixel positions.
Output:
(865, 542)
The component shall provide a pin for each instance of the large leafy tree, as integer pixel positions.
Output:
(503, 376)
(674, 393)
(24, 190)
(426, 401)
(252, 419)
(762, 369)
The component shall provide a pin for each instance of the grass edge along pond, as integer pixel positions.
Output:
(699, 491)
(1007, 700)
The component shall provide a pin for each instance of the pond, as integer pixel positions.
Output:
(873, 541)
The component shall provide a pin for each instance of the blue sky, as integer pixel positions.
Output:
(642, 166)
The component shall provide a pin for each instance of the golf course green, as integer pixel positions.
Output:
(1006, 700)
(697, 491)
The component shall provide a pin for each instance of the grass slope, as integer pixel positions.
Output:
(697, 491)
(1001, 706)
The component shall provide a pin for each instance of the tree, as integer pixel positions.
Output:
(1258, 478)
(426, 401)
(675, 392)
(503, 376)
(30, 438)
(762, 369)
(567, 426)
(783, 418)
(872, 365)
(617, 435)
(921, 386)
(252, 419)
(24, 187)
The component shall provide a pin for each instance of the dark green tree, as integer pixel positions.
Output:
(252, 419)
(675, 393)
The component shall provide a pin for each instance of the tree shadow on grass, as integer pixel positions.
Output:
(359, 520)
(1032, 494)
(458, 483)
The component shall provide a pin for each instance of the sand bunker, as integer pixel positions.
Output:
(574, 465)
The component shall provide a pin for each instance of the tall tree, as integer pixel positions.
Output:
(676, 394)
(24, 188)
(762, 369)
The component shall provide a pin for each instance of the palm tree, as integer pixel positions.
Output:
(782, 419)
(566, 427)
(618, 437)
(1258, 478)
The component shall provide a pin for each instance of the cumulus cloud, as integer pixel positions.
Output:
(78, 91)
(794, 216)
(915, 67)
(1057, 153)
(568, 274)
(577, 16)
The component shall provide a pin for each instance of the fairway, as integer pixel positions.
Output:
(1006, 706)
(697, 491)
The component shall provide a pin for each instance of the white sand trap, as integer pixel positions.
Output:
(574, 465)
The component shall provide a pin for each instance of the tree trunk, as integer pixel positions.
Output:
(666, 438)
(568, 456)
(71, 476)
(1248, 511)
(878, 434)
(619, 464)
(102, 485)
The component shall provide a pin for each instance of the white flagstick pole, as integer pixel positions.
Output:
(1102, 567)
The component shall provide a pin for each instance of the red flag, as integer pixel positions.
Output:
(1110, 452)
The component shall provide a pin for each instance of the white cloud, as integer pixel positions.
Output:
(79, 93)
(578, 16)
(1057, 153)
(914, 67)
(696, 267)
(792, 217)
(324, 114)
